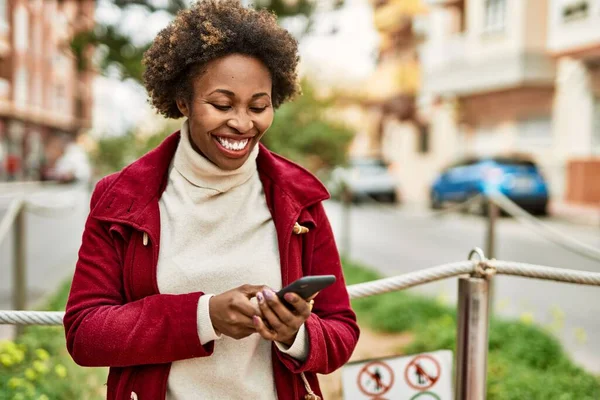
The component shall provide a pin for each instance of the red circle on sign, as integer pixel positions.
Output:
(421, 373)
(374, 375)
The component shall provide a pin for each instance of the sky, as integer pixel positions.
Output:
(348, 56)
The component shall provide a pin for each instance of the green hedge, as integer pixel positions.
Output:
(524, 362)
(37, 365)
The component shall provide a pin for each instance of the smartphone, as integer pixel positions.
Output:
(305, 287)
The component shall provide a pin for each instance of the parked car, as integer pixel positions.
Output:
(366, 178)
(517, 178)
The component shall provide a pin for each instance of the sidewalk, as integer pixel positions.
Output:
(575, 213)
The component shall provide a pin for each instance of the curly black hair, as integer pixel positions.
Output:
(211, 29)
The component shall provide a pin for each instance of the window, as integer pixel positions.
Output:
(423, 144)
(596, 127)
(21, 87)
(534, 133)
(495, 15)
(21, 32)
(3, 20)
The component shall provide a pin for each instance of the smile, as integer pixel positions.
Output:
(232, 144)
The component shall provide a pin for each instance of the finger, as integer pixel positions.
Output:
(313, 296)
(269, 315)
(245, 306)
(301, 306)
(262, 329)
(251, 290)
(281, 311)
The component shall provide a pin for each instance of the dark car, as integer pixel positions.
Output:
(517, 178)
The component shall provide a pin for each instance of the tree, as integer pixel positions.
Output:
(304, 131)
(118, 51)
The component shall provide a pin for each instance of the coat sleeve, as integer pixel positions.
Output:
(332, 328)
(103, 330)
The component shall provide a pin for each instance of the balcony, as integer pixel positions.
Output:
(461, 67)
(396, 14)
(573, 28)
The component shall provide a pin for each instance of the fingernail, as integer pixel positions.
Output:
(255, 320)
(260, 297)
(290, 297)
(269, 294)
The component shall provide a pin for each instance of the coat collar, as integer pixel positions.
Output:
(141, 184)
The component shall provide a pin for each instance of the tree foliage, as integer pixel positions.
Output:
(118, 51)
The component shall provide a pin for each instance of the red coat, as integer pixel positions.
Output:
(116, 317)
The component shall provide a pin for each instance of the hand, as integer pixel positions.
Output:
(278, 322)
(231, 312)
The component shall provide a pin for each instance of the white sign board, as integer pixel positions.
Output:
(425, 376)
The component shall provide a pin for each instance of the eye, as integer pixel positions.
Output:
(257, 110)
(221, 108)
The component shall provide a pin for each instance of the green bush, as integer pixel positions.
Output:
(524, 361)
(37, 366)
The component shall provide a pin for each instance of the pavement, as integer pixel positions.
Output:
(582, 214)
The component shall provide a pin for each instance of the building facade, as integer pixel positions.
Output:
(45, 89)
(507, 76)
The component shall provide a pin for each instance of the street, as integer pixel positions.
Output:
(399, 240)
(394, 241)
(52, 245)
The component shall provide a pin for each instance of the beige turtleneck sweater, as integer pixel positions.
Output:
(217, 234)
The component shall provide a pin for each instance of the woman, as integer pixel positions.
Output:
(184, 248)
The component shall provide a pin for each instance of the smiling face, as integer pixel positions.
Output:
(230, 109)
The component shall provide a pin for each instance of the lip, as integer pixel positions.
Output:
(233, 153)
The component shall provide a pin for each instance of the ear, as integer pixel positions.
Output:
(183, 107)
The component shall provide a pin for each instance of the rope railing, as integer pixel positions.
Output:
(481, 268)
(543, 229)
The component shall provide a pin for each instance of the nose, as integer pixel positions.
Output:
(241, 122)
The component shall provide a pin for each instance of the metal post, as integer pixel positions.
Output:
(346, 197)
(472, 338)
(490, 240)
(19, 265)
(490, 243)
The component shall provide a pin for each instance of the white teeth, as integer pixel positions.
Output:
(231, 144)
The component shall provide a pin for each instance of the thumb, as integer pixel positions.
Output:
(251, 290)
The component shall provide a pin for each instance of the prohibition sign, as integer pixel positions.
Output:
(422, 372)
(375, 378)
(425, 396)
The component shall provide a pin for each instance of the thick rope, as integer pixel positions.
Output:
(545, 273)
(31, 317)
(544, 230)
(411, 279)
(9, 218)
(485, 268)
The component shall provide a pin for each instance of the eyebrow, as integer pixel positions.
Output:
(231, 94)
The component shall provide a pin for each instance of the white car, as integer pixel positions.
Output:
(367, 179)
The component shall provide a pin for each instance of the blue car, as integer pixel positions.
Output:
(517, 178)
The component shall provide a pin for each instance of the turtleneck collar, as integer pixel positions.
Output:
(201, 172)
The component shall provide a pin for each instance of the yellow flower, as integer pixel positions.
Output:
(6, 360)
(14, 383)
(42, 354)
(40, 367)
(30, 374)
(527, 318)
(60, 370)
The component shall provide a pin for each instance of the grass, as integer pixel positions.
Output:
(524, 360)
